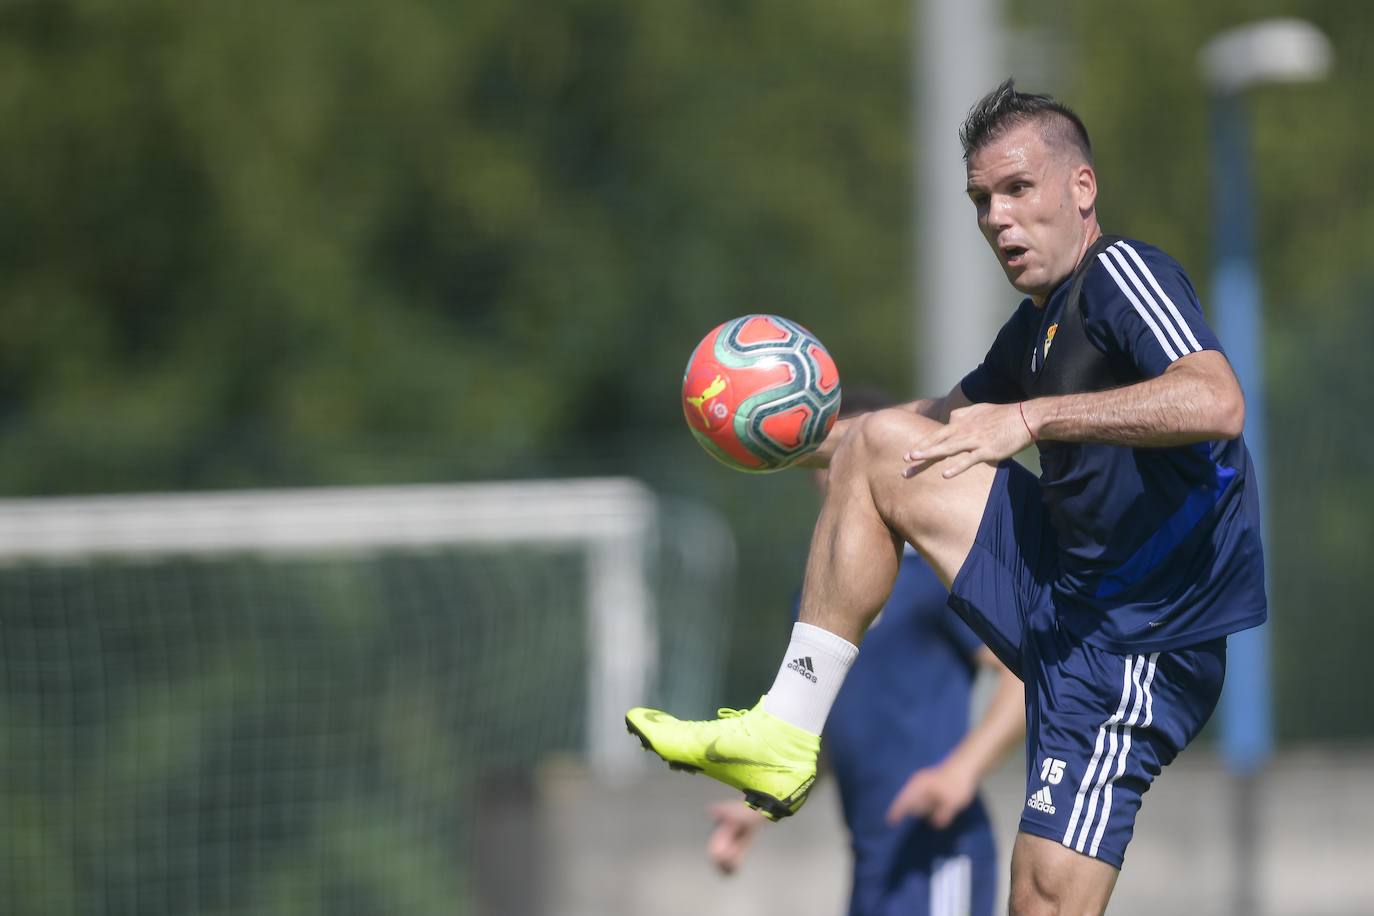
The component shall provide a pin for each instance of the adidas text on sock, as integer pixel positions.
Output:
(809, 677)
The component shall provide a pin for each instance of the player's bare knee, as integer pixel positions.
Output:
(1028, 899)
(875, 445)
(1048, 885)
(886, 435)
(863, 445)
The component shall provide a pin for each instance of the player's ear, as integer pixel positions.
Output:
(1083, 184)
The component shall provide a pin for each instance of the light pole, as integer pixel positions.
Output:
(1271, 51)
(960, 299)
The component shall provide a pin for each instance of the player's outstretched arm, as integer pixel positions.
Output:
(940, 792)
(1196, 399)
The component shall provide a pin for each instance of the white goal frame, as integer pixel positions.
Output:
(613, 521)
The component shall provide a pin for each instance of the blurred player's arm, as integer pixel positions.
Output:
(733, 834)
(935, 408)
(940, 792)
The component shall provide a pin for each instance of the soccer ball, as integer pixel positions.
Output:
(760, 392)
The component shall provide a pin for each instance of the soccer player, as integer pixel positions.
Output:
(1109, 585)
(906, 762)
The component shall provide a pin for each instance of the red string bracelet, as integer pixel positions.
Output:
(1021, 406)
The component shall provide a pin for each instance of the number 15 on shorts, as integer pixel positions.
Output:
(1052, 771)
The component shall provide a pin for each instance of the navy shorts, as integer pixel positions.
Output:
(957, 885)
(1099, 726)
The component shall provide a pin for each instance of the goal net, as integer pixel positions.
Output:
(292, 702)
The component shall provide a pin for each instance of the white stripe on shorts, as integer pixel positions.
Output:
(1125, 749)
(1097, 751)
(1114, 742)
(951, 883)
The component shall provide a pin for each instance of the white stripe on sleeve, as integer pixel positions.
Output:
(1140, 309)
(1148, 298)
(1173, 309)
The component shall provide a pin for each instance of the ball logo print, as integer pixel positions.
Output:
(760, 392)
(710, 391)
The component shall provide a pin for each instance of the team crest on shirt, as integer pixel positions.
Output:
(1038, 357)
(1049, 339)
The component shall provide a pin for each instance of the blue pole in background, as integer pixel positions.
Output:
(1246, 718)
(1246, 730)
(1281, 50)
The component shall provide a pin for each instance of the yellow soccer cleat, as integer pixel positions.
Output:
(773, 762)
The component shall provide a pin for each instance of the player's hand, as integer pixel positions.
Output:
(937, 794)
(736, 824)
(974, 434)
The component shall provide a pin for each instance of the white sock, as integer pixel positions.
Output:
(811, 674)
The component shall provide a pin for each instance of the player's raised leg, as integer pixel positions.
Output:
(869, 512)
(870, 509)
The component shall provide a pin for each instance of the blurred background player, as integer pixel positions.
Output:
(905, 761)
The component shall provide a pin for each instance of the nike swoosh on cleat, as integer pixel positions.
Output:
(656, 715)
(713, 756)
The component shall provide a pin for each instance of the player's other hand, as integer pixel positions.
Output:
(937, 794)
(736, 824)
(977, 433)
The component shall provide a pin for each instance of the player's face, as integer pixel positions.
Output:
(1035, 208)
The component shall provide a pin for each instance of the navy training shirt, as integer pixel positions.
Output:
(904, 705)
(1158, 548)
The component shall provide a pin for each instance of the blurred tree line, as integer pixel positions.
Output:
(256, 244)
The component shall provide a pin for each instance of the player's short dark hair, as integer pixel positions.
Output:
(1005, 108)
(863, 399)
